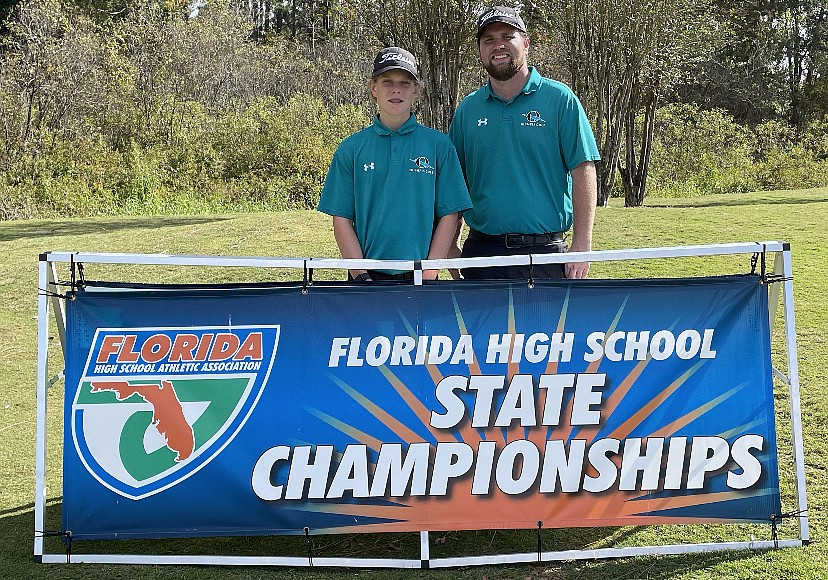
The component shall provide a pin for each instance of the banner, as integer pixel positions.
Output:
(199, 412)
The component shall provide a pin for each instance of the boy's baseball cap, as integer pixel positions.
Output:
(395, 57)
(502, 14)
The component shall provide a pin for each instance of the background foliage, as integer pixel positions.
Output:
(165, 106)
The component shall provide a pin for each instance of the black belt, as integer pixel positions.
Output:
(518, 240)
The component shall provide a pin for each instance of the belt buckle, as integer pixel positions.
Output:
(518, 243)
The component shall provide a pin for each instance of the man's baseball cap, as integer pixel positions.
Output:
(394, 57)
(502, 14)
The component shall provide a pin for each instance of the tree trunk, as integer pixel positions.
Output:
(634, 172)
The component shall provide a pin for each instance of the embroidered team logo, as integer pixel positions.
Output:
(533, 119)
(155, 405)
(422, 165)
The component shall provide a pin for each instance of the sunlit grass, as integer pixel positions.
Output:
(798, 217)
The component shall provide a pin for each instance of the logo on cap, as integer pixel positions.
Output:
(502, 14)
(395, 58)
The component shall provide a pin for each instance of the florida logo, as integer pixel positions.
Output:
(155, 405)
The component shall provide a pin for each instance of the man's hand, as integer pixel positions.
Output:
(576, 270)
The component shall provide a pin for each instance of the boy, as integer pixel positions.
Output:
(394, 189)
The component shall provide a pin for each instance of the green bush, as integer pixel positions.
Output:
(787, 161)
(698, 152)
(148, 113)
(265, 156)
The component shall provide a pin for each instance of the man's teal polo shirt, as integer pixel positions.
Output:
(517, 156)
(394, 185)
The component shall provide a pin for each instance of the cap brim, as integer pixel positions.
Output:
(394, 67)
(494, 21)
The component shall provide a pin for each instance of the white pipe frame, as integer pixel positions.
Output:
(782, 280)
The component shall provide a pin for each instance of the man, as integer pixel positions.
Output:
(394, 189)
(528, 153)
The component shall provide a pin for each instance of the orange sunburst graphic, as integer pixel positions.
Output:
(502, 453)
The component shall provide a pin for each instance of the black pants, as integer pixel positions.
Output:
(378, 276)
(473, 248)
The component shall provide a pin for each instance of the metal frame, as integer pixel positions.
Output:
(781, 280)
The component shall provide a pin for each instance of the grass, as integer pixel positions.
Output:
(798, 217)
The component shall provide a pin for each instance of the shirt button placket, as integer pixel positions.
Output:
(395, 150)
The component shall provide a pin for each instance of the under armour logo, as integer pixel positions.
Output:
(368, 166)
(484, 121)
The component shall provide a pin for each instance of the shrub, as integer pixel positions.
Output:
(697, 152)
(787, 161)
(265, 156)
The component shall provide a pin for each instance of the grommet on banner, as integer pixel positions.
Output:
(774, 531)
(65, 536)
(309, 545)
(775, 519)
(307, 277)
(77, 281)
(540, 545)
(759, 257)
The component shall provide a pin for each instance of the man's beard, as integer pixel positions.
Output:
(504, 73)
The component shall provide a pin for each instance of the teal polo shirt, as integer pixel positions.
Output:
(394, 185)
(517, 156)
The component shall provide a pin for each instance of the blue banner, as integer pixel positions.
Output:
(199, 412)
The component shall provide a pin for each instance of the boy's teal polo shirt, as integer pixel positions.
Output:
(517, 156)
(394, 185)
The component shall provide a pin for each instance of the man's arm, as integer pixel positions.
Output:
(347, 241)
(442, 241)
(584, 197)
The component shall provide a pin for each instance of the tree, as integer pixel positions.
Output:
(6, 9)
(772, 62)
(306, 19)
(56, 63)
(804, 26)
(621, 56)
(440, 36)
(742, 75)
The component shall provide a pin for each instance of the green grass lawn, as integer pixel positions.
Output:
(799, 217)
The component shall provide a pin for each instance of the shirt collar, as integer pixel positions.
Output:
(384, 131)
(532, 84)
